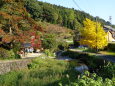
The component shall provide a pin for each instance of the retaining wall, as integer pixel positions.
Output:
(7, 66)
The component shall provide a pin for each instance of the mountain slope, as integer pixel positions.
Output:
(16, 25)
(67, 17)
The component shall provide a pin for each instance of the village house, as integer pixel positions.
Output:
(110, 33)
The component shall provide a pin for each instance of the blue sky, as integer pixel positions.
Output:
(101, 8)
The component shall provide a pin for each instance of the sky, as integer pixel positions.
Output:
(101, 8)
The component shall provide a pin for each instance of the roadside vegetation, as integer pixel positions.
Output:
(20, 20)
(42, 72)
(52, 72)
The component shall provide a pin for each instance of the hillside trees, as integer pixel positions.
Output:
(16, 25)
(55, 36)
(51, 13)
(93, 35)
(42, 11)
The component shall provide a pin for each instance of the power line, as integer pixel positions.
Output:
(76, 4)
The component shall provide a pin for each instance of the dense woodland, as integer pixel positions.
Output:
(67, 17)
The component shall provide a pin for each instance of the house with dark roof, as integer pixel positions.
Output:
(110, 33)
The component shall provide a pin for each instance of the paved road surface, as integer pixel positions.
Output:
(31, 55)
(107, 57)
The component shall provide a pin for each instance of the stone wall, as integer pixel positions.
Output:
(7, 66)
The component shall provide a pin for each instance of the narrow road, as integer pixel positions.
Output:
(107, 57)
(31, 55)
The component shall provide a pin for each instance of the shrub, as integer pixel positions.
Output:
(5, 54)
(49, 41)
(88, 79)
(63, 45)
(52, 43)
(70, 54)
(16, 48)
(76, 43)
(48, 52)
(111, 46)
(11, 54)
(107, 71)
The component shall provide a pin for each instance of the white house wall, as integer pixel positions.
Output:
(110, 37)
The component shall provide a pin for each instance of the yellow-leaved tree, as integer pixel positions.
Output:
(93, 35)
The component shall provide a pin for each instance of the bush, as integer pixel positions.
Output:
(5, 54)
(88, 79)
(49, 42)
(111, 46)
(63, 45)
(16, 48)
(76, 43)
(48, 52)
(107, 71)
(70, 54)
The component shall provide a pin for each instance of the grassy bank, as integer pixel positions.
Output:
(52, 72)
(41, 72)
(96, 64)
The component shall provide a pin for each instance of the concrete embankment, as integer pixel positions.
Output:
(11, 65)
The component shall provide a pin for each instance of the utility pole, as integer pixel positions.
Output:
(110, 19)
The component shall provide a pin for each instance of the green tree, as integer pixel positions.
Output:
(57, 14)
(59, 20)
(49, 42)
(76, 25)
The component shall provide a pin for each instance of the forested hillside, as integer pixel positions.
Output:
(16, 25)
(67, 17)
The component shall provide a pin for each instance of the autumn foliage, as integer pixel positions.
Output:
(17, 26)
(93, 35)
